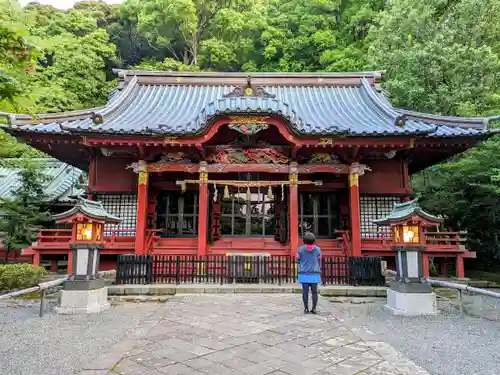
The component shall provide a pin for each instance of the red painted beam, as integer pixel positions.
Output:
(235, 168)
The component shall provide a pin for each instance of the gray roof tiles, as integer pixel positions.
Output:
(323, 103)
(404, 211)
(92, 209)
(60, 185)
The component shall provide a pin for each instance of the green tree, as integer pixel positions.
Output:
(443, 57)
(433, 63)
(467, 192)
(317, 35)
(25, 213)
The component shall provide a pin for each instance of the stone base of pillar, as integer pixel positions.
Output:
(83, 301)
(411, 304)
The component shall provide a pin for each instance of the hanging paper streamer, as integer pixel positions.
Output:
(258, 195)
(215, 193)
(270, 195)
(249, 194)
(282, 192)
(226, 193)
(183, 187)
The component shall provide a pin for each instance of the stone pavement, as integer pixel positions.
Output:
(249, 335)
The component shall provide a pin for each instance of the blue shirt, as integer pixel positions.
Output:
(309, 261)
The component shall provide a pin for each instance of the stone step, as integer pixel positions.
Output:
(171, 289)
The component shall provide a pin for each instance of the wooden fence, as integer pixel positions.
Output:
(221, 269)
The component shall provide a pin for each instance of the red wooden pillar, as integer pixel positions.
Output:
(203, 212)
(92, 177)
(443, 268)
(406, 179)
(460, 267)
(425, 265)
(36, 258)
(293, 207)
(142, 214)
(354, 214)
(70, 262)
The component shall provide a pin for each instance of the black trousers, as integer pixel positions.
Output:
(305, 294)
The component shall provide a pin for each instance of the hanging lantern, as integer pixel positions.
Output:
(270, 194)
(226, 193)
(249, 194)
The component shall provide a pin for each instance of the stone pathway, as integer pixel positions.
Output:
(248, 334)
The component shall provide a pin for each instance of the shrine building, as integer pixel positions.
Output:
(217, 163)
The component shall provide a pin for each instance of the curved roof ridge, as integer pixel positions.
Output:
(96, 113)
(479, 123)
(25, 119)
(122, 97)
(122, 73)
(258, 78)
(382, 105)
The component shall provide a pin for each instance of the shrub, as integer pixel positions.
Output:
(19, 276)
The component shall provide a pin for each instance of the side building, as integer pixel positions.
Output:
(63, 184)
(216, 163)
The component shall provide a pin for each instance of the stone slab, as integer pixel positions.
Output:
(411, 304)
(251, 334)
(170, 289)
(83, 301)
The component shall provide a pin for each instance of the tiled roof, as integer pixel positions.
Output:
(61, 184)
(404, 211)
(160, 103)
(92, 209)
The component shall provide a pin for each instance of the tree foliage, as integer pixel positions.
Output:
(25, 212)
(441, 56)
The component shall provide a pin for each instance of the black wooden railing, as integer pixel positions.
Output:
(221, 269)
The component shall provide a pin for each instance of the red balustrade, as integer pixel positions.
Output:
(124, 240)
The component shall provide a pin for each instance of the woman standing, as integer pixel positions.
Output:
(309, 257)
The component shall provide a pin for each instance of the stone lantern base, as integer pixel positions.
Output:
(413, 299)
(83, 297)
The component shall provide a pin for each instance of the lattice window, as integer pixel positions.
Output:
(125, 207)
(374, 207)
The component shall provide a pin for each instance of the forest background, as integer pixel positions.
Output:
(441, 56)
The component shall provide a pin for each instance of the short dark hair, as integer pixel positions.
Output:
(309, 238)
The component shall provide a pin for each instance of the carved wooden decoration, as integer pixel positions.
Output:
(244, 156)
(176, 157)
(249, 90)
(248, 125)
(324, 158)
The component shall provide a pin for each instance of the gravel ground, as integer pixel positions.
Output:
(61, 345)
(444, 345)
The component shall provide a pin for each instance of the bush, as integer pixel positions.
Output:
(19, 276)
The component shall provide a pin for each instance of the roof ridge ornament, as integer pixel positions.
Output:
(249, 90)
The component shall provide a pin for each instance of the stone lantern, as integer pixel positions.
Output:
(409, 294)
(84, 292)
